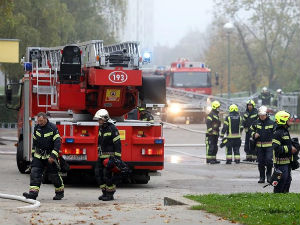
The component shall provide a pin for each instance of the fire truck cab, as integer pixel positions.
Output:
(185, 78)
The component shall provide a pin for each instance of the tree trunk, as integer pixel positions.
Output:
(252, 64)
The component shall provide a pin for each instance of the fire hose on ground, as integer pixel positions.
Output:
(34, 203)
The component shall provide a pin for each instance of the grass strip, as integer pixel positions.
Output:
(252, 208)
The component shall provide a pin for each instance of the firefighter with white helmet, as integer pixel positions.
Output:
(213, 124)
(265, 96)
(262, 134)
(233, 128)
(109, 145)
(277, 97)
(283, 151)
(249, 117)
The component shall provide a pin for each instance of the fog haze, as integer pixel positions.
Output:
(174, 18)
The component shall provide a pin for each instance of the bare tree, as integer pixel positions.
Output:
(272, 24)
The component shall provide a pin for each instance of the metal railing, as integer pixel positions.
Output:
(8, 125)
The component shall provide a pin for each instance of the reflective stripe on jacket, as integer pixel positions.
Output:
(109, 142)
(282, 146)
(46, 141)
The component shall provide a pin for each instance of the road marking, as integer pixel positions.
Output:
(7, 153)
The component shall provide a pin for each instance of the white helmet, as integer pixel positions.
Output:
(101, 114)
(262, 110)
(264, 89)
(279, 91)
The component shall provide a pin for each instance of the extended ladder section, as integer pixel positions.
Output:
(45, 63)
(93, 54)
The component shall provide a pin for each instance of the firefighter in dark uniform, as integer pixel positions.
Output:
(145, 115)
(45, 149)
(213, 124)
(265, 96)
(283, 151)
(262, 134)
(249, 117)
(233, 128)
(109, 145)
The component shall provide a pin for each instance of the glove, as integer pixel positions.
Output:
(223, 142)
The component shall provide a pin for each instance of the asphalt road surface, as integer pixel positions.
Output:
(185, 172)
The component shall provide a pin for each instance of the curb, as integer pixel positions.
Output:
(179, 200)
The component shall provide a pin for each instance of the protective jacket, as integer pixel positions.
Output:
(282, 146)
(265, 130)
(249, 117)
(146, 116)
(213, 123)
(109, 143)
(232, 126)
(46, 141)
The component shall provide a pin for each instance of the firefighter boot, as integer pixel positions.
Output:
(214, 161)
(103, 195)
(109, 196)
(31, 195)
(268, 173)
(58, 195)
(261, 169)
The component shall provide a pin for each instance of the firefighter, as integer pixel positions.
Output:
(213, 124)
(109, 146)
(283, 151)
(277, 98)
(265, 96)
(45, 149)
(250, 116)
(145, 115)
(262, 134)
(233, 128)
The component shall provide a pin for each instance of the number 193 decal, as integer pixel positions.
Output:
(117, 77)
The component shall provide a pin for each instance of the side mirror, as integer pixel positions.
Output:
(8, 94)
(13, 95)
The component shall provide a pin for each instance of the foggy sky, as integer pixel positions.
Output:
(174, 18)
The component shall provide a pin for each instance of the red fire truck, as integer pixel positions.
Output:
(185, 76)
(70, 83)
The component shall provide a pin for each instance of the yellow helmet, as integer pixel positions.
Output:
(282, 117)
(251, 102)
(215, 104)
(233, 107)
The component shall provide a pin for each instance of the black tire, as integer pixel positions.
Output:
(141, 178)
(21, 163)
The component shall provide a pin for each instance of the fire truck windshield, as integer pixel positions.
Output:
(191, 79)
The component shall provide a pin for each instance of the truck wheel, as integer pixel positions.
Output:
(21, 163)
(141, 178)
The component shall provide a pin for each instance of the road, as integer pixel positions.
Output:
(185, 173)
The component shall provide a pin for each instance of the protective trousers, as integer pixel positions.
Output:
(284, 183)
(37, 168)
(233, 145)
(265, 161)
(211, 142)
(249, 147)
(105, 178)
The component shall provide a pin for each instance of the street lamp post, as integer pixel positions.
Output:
(228, 27)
